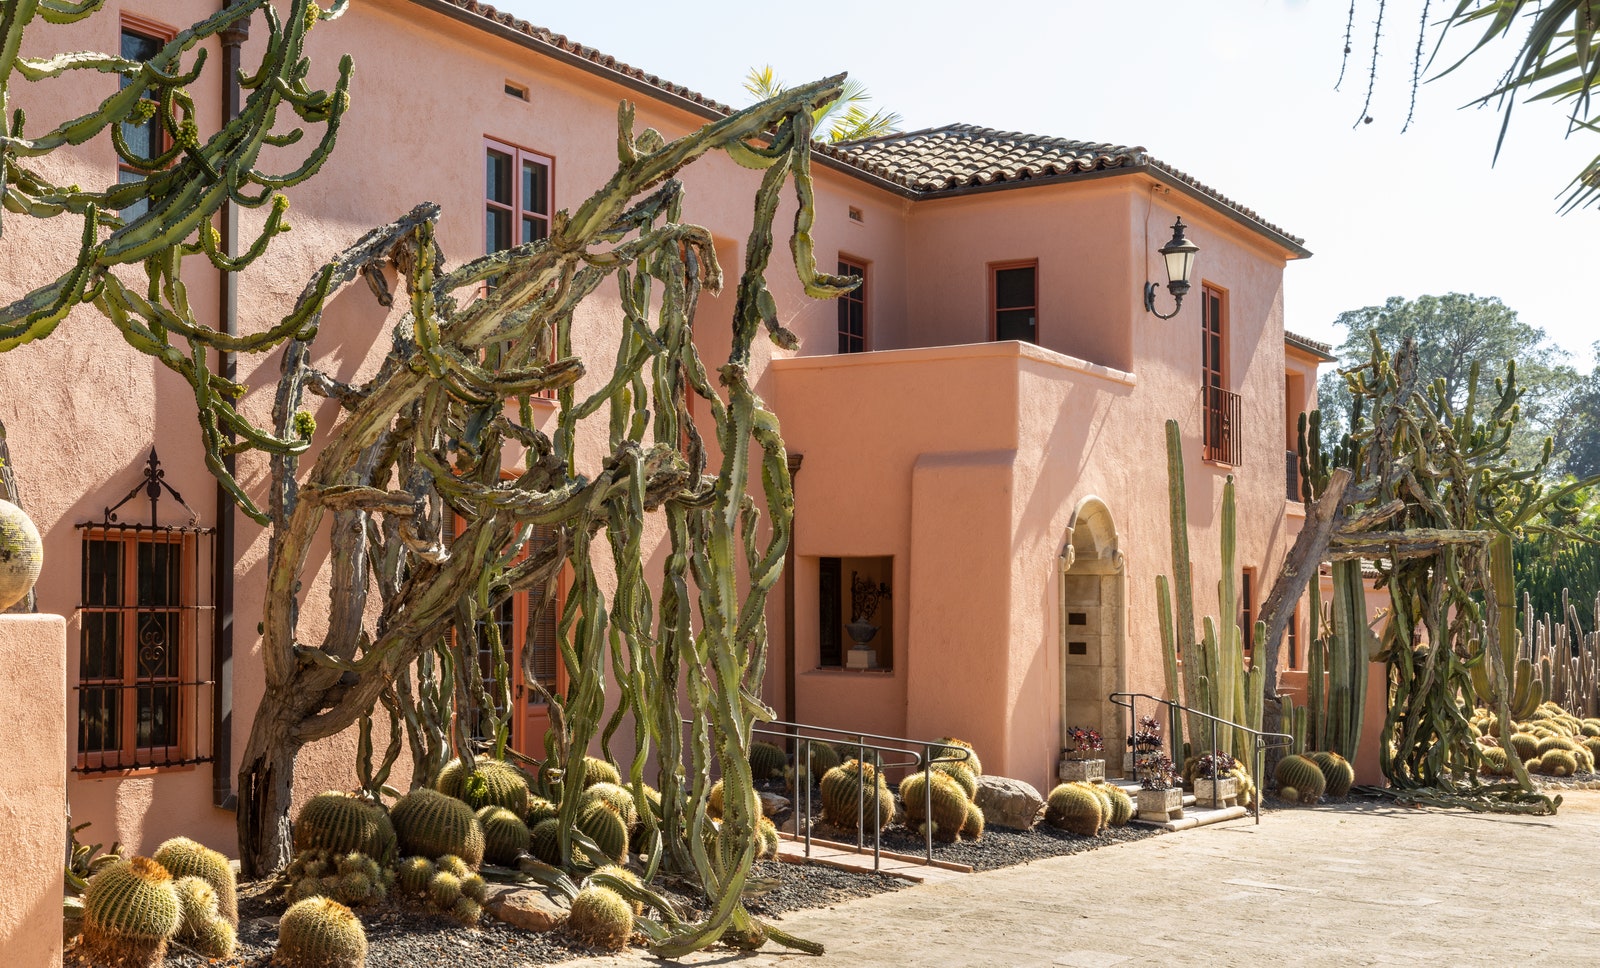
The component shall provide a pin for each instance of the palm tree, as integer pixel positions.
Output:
(841, 120)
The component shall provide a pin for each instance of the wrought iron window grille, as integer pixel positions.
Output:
(146, 685)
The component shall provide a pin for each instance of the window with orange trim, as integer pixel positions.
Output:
(853, 310)
(1014, 299)
(143, 682)
(141, 40)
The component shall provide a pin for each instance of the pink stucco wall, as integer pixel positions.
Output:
(964, 460)
(33, 787)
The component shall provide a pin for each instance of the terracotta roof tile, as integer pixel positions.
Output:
(1315, 348)
(958, 156)
(920, 163)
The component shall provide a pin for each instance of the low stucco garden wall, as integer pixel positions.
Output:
(33, 786)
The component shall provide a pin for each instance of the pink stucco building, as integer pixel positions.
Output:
(978, 432)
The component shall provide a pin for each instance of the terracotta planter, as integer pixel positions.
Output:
(1225, 794)
(1160, 805)
(1081, 771)
(21, 555)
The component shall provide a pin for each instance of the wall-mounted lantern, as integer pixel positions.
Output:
(1179, 255)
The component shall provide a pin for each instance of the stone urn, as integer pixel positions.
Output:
(1216, 793)
(21, 555)
(1160, 805)
(860, 656)
(1081, 771)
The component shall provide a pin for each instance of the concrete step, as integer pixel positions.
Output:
(1194, 817)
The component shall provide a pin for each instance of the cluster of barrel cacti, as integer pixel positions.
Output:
(133, 908)
(353, 879)
(1088, 808)
(939, 801)
(855, 794)
(446, 884)
(1551, 742)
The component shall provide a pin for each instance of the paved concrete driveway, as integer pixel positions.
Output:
(1349, 885)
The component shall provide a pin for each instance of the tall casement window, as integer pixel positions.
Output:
(1221, 405)
(516, 196)
(140, 42)
(144, 685)
(1247, 610)
(853, 310)
(1015, 301)
(1294, 639)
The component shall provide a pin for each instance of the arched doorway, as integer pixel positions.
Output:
(1093, 629)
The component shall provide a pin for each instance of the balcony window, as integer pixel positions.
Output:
(1221, 405)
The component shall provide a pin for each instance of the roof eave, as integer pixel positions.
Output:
(498, 29)
(1291, 248)
(1303, 346)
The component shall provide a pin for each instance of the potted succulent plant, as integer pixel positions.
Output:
(1144, 743)
(1082, 762)
(1214, 784)
(1160, 789)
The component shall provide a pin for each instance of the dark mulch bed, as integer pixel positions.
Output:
(402, 934)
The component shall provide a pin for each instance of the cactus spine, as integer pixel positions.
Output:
(949, 804)
(342, 823)
(504, 835)
(840, 792)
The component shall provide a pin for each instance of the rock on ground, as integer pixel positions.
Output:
(525, 908)
(1008, 803)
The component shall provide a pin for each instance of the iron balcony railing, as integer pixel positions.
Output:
(1222, 425)
(1263, 740)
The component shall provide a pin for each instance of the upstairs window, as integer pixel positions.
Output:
(853, 310)
(140, 42)
(516, 196)
(1221, 405)
(1015, 310)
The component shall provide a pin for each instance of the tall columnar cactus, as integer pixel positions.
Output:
(1214, 677)
(320, 933)
(450, 407)
(430, 824)
(183, 857)
(131, 911)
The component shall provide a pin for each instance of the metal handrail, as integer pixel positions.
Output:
(1259, 755)
(901, 745)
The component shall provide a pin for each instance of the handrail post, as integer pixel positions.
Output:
(877, 810)
(927, 800)
(861, 793)
(808, 796)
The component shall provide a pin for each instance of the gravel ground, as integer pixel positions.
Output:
(1003, 847)
(407, 935)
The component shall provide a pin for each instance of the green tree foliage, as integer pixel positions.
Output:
(845, 119)
(1551, 562)
(1455, 333)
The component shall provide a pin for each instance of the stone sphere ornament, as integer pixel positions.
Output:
(21, 555)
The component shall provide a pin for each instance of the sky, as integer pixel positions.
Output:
(1238, 93)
